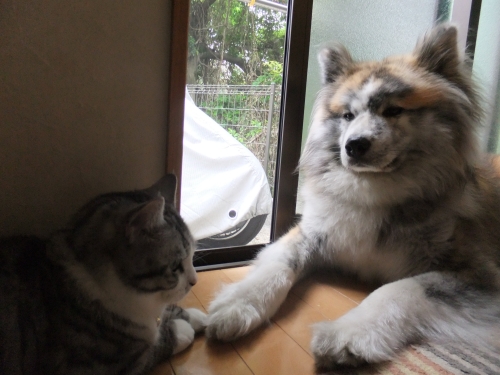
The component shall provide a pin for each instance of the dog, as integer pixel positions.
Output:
(395, 192)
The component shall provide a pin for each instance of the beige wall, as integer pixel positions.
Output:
(83, 88)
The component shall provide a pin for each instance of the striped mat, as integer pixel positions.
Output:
(432, 359)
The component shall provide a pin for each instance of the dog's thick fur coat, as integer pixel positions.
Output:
(395, 192)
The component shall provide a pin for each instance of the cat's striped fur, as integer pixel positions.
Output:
(97, 297)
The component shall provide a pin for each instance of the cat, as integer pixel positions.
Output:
(97, 297)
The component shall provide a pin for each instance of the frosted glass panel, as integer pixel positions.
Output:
(486, 70)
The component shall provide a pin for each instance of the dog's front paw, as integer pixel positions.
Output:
(184, 334)
(230, 318)
(197, 319)
(345, 343)
(333, 346)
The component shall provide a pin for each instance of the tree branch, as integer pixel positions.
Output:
(199, 11)
(210, 54)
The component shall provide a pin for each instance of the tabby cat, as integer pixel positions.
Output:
(96, 298)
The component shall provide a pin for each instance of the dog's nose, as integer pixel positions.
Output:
(357, 147)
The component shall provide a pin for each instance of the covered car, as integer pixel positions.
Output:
(225, 196)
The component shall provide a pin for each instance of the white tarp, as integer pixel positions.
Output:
(219, 175)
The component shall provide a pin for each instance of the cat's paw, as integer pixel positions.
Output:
(230, 317)
(197, 319)
(348, 343)
(184, 334)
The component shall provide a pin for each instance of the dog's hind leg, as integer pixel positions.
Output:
(241, 307)
(429, 306)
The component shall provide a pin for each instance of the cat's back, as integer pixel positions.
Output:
(22, 312)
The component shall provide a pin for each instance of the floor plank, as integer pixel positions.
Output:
(163, 369)
(280, 347)
(270, 351)
(209, 358)
(209, 283)
(295, 317)
(236, 274)
(191, 301)
(325, 299)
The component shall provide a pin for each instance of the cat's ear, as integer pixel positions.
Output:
(334, 61)
(438, 51)
(147, 217)
(166, 187)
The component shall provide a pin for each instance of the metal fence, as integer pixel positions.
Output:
(249, 113)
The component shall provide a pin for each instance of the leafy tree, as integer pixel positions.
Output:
(272, 72)
(233, 43)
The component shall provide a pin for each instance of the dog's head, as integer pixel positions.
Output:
(382, 117)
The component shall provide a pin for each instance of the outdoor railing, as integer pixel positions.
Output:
(249, 113)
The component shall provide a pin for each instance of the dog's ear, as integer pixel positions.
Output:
(438, 52)
(333, 61)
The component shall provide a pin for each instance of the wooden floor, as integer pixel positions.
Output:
(279, 348)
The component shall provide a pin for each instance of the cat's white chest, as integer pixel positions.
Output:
(141, 309)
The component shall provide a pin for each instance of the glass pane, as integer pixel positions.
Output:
(231, 120)
(486, 69)
(370, 30)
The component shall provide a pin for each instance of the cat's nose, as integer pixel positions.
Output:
(193, 280)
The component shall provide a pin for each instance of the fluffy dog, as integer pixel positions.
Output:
(396, 192)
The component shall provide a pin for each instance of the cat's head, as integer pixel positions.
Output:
(138, 234)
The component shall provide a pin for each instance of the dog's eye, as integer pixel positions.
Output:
(392, 111)
(348, 116)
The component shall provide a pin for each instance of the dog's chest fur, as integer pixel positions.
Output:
(377, 244)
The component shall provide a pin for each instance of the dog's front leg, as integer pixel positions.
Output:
(241, 307)
(431, 305)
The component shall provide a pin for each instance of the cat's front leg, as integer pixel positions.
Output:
(431, 305)
(177, 330)
(185, 323)
(197, 319)
(241, 307)
(183, 333)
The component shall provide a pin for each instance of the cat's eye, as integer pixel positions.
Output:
(178, 267)
(392, 111)
(348, 116)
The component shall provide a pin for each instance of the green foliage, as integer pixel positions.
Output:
(232, 43)
(246, 135)
(272, 73)
(227, 111)
(191, 45)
